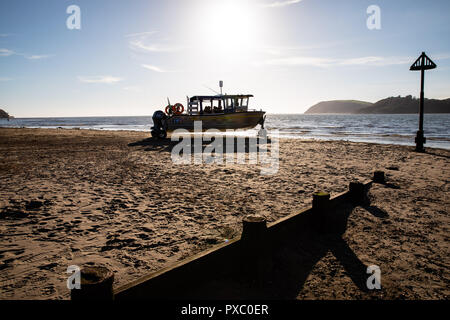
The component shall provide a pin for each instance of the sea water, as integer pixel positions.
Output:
(378, 128)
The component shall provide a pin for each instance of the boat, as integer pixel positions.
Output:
(220, 111)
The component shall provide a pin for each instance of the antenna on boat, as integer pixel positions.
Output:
(211, 89)
(168, 101)
(220, 85)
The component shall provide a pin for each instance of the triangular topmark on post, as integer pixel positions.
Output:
(423, 62)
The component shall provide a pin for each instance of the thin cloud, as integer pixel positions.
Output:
(291, 50)
(298, 61)
(139, 45)
(4, 35)
(152, 68)
(37, 57)
(441, 56)
(280, 51)
(140, 42)
(5, 79)
(6, 52)
(376, 61)
(140, 34)
(279, 4)
(362, 61)
(100, 79)
(332, 62)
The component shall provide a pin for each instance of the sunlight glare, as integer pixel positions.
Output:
(228, 27)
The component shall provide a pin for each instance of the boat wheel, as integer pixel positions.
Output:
(161, 134)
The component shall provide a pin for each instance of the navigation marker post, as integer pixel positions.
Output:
(422, 63)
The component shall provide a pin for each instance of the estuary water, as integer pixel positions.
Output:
(378, 128)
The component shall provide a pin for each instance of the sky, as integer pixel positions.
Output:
(129, 56)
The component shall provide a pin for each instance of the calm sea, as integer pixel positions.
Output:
(381, 128)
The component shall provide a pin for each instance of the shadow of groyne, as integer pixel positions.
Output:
(274, 265)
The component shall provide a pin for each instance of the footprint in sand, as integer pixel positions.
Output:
(143, 236)
(48, 266)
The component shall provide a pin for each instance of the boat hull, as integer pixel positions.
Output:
(222, 121)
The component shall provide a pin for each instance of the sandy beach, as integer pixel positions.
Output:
(72, 197)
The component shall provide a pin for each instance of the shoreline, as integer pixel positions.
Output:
(115, 198)
(269, 113)
(280, 138)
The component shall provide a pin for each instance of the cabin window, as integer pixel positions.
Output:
(207, 106)
(215, 103)
(227, 103)
(216, 106)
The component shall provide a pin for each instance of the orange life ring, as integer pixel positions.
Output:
(178, 108)
(170, 109)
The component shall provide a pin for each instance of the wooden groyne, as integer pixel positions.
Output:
(247, 260)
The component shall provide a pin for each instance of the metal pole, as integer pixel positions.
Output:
(420, 139)
(422, 79)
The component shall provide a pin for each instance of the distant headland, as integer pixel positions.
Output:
(5, 115)
(389, 105)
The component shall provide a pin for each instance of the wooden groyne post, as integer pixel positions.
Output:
(356, 192)
(96, 284)
(320, 208)
(378, 177)
(255, 249)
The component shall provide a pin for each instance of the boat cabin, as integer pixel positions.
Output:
(218, 104)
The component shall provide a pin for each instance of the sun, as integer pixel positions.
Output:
(228, 26)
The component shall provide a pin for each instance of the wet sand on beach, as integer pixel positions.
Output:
(71, 197)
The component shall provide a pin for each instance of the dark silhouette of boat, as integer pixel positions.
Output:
(219, 112)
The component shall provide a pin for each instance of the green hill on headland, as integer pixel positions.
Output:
(4, 114)
(339, 106)
(390, 105)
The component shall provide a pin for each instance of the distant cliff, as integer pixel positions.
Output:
(391, 105)
(339, 106)
(4, 114)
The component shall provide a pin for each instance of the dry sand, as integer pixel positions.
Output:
(78, 196)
